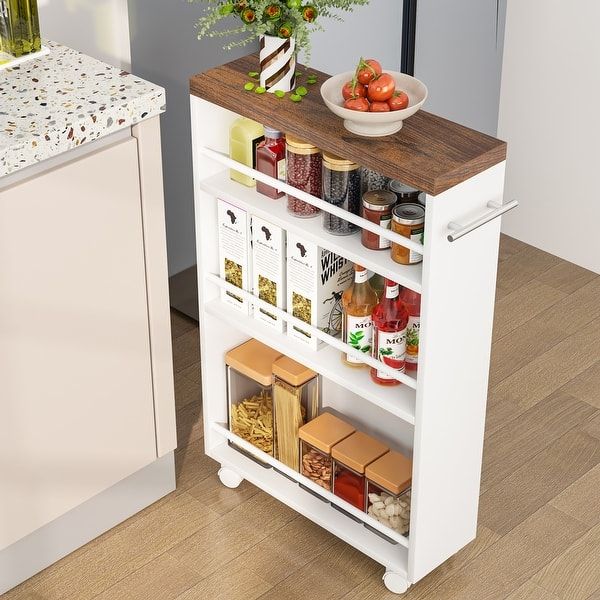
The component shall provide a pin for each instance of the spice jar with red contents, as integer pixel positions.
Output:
(350, 459)
(304, 172)
(388, 491)
(270, 160)
(377, 207)
(317, 438)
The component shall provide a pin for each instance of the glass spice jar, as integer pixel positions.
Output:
(341, 187)
(304, 172)
(408, 220)
(404, 193)
(270, 160)
(372, 180)
(350, 459)
(377, 207)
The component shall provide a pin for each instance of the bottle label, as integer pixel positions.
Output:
(358, 335)
(281, 169)
(385, 222)
(392, 291)
(361, 276)
(390, 349)
(412, 339)
(416, 236)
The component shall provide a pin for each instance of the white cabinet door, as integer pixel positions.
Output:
(76, 406)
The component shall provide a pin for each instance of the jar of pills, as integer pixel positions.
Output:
(408, 220)
(341, 187)
(377, 207)
(304, 172)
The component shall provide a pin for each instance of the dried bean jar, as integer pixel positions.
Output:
(304, 172)
(404, 193)
(350, 459)
(372, 180)
(388, 491)
(377, 207)
(317, 438)
(341, 187)
(408, 220)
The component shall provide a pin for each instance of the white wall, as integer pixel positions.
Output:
(99, 28)
(549, 116)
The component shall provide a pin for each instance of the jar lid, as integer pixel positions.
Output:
(336, 163)
(400, 188)
(379, 200)
(408, 214)
(292, 372)
(358, 450)
(298, 143)
(272, 133)
(253, 359)
(325, 431)
(393, 472)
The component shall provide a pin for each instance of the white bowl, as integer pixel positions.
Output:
(374, 124)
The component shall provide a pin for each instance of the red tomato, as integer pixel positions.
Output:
(382, 88)
(367, 70)
(379, 107)
(361, 104)
(353, 91)
(398, 101)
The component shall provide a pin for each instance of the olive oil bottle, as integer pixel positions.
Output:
(19, 27)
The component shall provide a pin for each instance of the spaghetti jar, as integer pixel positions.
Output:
(377, 207)
(304, 166)
(317, 438)
(341, 187)
(404, 193)
(270, 160)
(388, 491)
(408, 220)
(295, 402)
(350, 459)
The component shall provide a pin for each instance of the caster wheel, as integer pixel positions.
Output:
(395, 582)
(229, 478)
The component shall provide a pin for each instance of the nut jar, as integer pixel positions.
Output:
(250, 395)
(404, 193)
(350, 459)
(295, 402)
(408, 220)
(388, 491)
(377, 207)
(372, 180)
(317, 438)
(304, 166)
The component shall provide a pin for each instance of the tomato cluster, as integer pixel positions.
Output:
(372, 90)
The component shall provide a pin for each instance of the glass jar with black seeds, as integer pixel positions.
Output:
(304, 166)
(342, 188)
(372, 180)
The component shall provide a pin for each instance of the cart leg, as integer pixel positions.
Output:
(395, 582)
(229, 478)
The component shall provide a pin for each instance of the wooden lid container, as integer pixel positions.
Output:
(358, 450)
(253, 359)
(392, 472)
(325, 431)
(292, 372)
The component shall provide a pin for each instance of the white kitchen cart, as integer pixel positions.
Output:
(437, 417)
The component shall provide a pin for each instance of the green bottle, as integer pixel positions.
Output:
(19, 27)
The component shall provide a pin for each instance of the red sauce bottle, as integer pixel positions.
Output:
(390, 319)
(412, 301)
(270, 160)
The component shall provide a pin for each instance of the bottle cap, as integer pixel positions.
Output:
(270, 132)
(379, 200)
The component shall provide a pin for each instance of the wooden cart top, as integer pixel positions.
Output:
(429, 153)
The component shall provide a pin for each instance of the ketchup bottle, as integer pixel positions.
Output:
(412, 301)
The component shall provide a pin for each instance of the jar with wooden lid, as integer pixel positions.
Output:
(341, 187)
(350, 459)
(377, 207)
(304, 172)
(250, 393)
(388, 491)
(404, 193)
(317, 438)
(295, 402)
(409, 221)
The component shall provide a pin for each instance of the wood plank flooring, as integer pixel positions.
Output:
(539, 533)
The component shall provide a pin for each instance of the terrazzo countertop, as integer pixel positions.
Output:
(63, 100)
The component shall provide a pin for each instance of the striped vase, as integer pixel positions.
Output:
(277, 63)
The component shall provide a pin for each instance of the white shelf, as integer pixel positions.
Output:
(275, 211)
(398, 400)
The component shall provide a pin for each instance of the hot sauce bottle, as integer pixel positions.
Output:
(270, 160)
(390, 320)
(412, 301)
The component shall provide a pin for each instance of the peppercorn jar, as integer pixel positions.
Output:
(250, 394)
(350, 459)
(341, 187)
(377, 207)
(295, 402)
(317, 438)
(408, 220)
(388, 491)
(372, 180)
(304, 172)
(404, 193)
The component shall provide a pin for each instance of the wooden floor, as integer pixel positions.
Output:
(539, 534)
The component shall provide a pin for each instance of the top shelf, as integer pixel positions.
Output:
(429, 153)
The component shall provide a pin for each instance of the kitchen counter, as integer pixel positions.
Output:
(63, 100)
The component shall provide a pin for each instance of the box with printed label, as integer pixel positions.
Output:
(316, 280)
(268, 269)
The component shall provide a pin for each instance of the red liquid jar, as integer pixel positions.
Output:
(270, 160)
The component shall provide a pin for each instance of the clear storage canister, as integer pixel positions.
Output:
(350, 459)
(317, 438)
(341, 187)
(304, 165)
(372, 180)
(250, 394)
(295, 402)
(388, 491)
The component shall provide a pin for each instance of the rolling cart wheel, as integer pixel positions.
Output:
(229, 478)
(395, 582)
